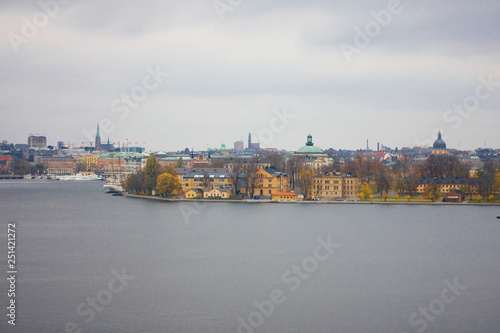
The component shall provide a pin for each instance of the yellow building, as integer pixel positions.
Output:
(217, 193)
(446, 185)
(334, 185)
(269, 181)
(284, 196)
(89, 162)
(194, 193)
(202, 178)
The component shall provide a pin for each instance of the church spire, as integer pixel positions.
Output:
(98, 139)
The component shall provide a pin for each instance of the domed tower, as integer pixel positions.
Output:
(439, 146)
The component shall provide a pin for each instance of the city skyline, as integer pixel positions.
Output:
(175, 75)
(238, 145)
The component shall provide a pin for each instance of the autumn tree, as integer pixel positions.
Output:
(432, 191)
(305, 181)
(366, 190)
(167, 169)
(167, 184)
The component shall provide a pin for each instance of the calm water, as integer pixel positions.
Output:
(198, 269)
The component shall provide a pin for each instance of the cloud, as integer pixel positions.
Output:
(227, 75)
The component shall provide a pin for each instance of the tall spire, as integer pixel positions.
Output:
(98, 139)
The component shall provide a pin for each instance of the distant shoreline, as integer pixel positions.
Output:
(264, 201)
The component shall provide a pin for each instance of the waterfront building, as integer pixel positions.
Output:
(269, 181)
(447, 185)
(285, 196)
(62, 165)
(204, 178)
(89, 162)
(334, 185)
(454, 196)
(119, 164)
(224, 193)
(194, 193)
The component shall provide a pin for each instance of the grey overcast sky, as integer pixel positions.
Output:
(347, 71)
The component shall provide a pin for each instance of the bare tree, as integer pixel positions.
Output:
(293, 165)
(250, 169)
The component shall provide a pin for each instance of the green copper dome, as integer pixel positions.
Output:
(309, 147)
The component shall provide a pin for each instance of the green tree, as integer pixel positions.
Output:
(151, 174)
(178, 164)
(167, 184)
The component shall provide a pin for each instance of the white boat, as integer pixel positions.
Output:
(113, 188)
(80, 176)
